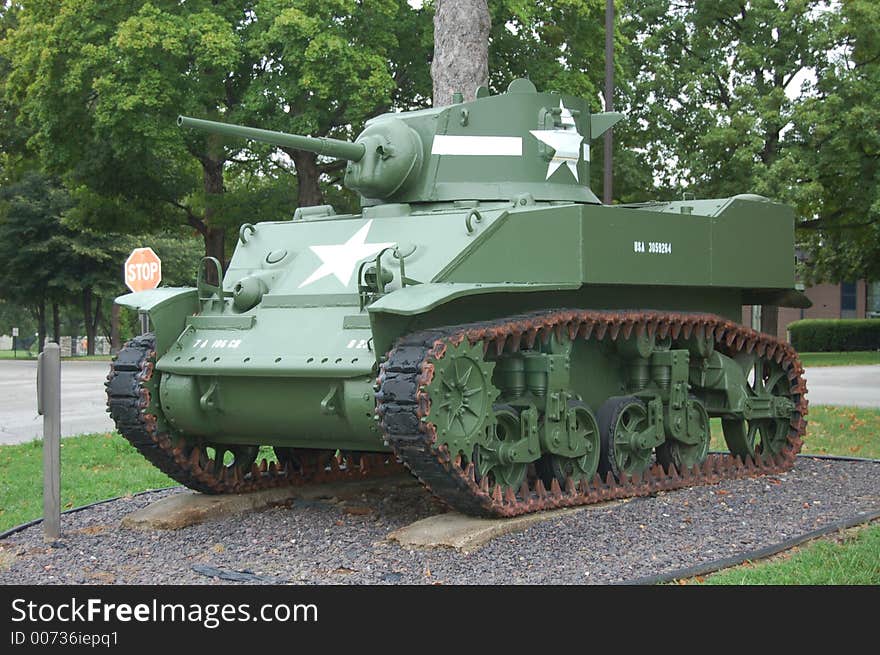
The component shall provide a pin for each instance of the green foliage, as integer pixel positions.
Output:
(834, 170)
(725, 97)
(12, 315)
(828, 335)
(560, 46)
(99, 85)
(32, 247)
(46, 259)
(548, 42)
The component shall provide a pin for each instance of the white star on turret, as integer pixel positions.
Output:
(566, 143)
(340, 260)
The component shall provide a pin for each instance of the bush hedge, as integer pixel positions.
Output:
(834, 335)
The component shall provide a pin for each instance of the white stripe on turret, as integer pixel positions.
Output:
(505, 146)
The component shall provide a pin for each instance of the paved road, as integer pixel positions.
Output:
(844, 385)
(82, 400)
(82, 395)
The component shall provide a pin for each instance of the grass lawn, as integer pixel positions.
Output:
(849, 558)
(857, 358)
(93, 467)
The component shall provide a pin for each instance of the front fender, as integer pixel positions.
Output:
(397, 312)
(168, 309)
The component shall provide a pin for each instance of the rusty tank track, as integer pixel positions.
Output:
(129, 402)
(404, 408)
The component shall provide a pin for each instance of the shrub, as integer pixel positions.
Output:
(833, 335)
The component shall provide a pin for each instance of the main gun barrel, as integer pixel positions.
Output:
(320, 145)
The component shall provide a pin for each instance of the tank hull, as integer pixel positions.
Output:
(297, 368)
(292, 351)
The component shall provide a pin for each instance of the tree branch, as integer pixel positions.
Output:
(822, 223)
(191, 219)
(332, 167)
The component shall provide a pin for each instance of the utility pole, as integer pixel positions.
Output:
(609, 98)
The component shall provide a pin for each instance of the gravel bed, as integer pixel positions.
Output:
(342, 540)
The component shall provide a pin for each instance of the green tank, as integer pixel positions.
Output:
(484, 321)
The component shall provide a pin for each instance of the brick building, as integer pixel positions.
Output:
(846, 300)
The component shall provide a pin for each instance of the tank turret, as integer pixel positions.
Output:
(492, 148)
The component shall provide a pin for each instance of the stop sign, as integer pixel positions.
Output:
(143, 270)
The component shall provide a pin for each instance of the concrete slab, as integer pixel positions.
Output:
(467, 533)
(189, 508)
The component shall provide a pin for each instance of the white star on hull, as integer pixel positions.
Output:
(340, 260)
(566, 143)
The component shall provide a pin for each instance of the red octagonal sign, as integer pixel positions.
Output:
(143, 269)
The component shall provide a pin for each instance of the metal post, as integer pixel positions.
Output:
(609, 99)
(770, 320)
(49, 406)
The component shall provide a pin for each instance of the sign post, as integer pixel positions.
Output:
(15, 343)
(143, 271)
(49, 406)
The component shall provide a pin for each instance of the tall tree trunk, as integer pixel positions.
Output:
(307, 177)
(87, 314)
(115, 340)
(41, 325)
(461, 49)
(90, 318)
(215, 236)
(215, 246)
(96, 321)
(56, 322)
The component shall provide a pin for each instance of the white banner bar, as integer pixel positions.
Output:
(505, 146)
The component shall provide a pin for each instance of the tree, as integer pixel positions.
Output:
(12, 143)
(461, 49)
(31, 276)
(100, 85)
(833, 167)
(776, 97)
(711, 86)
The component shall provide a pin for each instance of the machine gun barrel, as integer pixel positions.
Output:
(320, 145)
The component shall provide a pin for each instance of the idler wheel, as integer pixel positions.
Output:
(748, 438)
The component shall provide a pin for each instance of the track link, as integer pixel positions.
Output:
(130, 385)
(404, 407)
